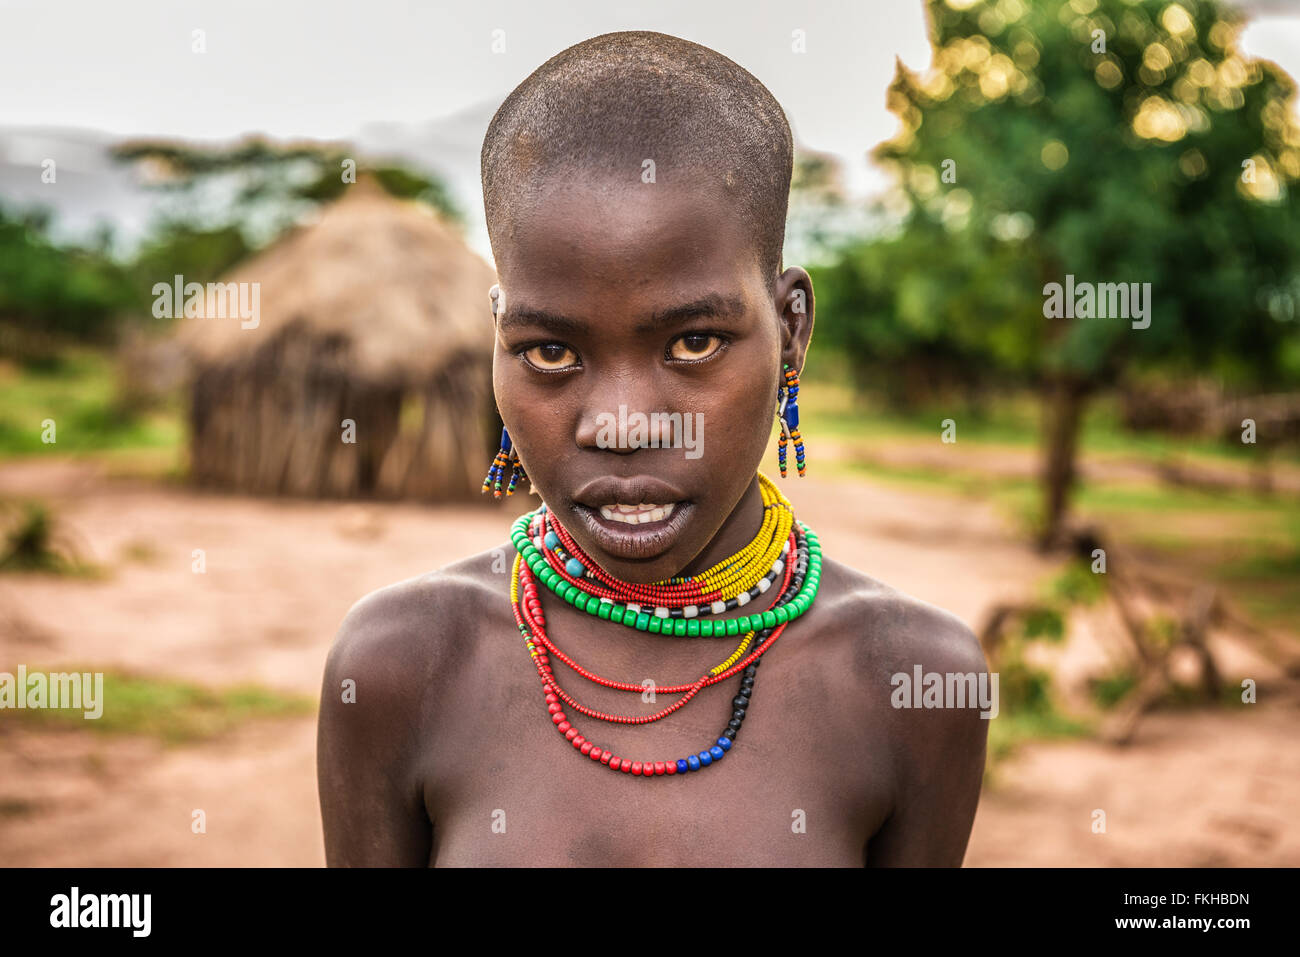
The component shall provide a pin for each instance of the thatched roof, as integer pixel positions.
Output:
(385, 278)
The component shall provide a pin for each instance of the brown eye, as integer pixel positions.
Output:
(551, 356)
(695, 345)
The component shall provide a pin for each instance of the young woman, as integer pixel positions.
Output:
(668, 671)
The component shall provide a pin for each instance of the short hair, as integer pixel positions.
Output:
(609, 103)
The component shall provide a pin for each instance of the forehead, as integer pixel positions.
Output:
(584, 239)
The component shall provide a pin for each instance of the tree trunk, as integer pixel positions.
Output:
(1063, 411)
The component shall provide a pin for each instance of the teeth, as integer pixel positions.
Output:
(636, 514)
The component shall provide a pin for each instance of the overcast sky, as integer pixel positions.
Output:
(365, 72)
(323, 70)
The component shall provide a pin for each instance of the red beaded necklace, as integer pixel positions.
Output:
(526, 603)
(528, 614)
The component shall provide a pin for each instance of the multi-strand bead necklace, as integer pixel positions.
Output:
(784, 556)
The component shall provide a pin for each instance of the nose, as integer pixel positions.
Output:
(623, 413)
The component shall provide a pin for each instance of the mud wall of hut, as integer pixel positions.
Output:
(272, 424)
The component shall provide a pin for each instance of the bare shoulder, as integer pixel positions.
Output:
(403, 640)
(888, 630)
(393, 656)
(933, 742)
(922, 754)
(882, 639)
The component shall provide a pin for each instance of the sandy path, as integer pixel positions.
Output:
(1199, 788)
(85, 800)
(1203, 789)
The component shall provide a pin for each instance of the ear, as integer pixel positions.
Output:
(794, 303)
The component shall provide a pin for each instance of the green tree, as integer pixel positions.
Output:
(265, 185)
(50, 294)
(1109, 140)
(177, 246)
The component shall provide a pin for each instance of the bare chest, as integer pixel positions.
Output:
(801, 786)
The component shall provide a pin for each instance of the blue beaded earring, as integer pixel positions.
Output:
(787, 411)
(506, 456)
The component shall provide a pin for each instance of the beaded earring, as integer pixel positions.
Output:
(506, 456)
(788, 412)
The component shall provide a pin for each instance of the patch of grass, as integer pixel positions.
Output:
(176, 712)
(1277, 605)
(78, 393)
(1089, 497)
(33, 542)
(166, 466)
(1014, 420)
(1231, 691)
(1110, 690)
(834, 410)
(953, 481)
(1272, 564)
(1247, 543)
(140, 550)
(1028, 709)
(1125, 497)
(1188, 697)
(1009, 730)
(1077, 584)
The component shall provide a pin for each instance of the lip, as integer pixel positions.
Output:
(646, 540)
(639, 490)
(641, 541)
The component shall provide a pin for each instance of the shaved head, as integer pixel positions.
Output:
(608, 104)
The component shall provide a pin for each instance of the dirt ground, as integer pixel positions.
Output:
(1198, 787)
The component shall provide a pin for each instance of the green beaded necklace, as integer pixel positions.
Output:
(644, 621)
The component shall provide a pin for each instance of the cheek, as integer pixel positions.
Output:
(510, 403)
(738, 421)
(529, 414)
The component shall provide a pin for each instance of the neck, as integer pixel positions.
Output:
(736, 532)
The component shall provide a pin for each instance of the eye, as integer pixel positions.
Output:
(550, 357)
(695, 346)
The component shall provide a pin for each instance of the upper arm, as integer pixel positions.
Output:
(371, 803)
(941, 752)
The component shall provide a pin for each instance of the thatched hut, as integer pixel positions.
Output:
(376, 313)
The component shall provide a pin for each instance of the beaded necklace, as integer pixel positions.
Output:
(784, 549)
(746, 575)
(631, 614)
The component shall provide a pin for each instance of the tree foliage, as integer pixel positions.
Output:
(49, 293)
(1099, 138)
(1112, 141)
(259, 179)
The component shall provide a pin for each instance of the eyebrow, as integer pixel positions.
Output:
(712, 306)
